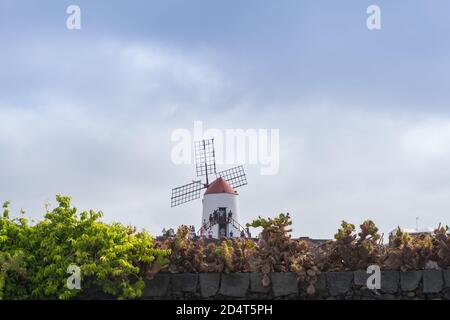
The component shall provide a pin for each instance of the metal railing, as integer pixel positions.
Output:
(228, 220)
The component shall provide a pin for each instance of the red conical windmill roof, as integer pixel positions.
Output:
(220, 186)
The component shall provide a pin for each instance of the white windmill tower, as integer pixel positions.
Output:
(221, 214)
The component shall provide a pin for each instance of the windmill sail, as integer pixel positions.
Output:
(186, 193)
(205, 159)
(205, 163)
(235, 176)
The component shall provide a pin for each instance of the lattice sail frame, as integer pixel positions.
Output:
(234, 176)
(186, 193)
(206, 165)
(205, 158)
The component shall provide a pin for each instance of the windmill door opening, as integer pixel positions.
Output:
(223, 225)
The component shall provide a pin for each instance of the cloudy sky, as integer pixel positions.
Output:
(364, 116)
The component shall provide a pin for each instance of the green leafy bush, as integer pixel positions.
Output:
(114, 259)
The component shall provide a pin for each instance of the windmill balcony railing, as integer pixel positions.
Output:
(228, 220)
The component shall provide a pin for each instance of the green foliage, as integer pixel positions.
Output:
(351, 251)
(277, 224)
(226, 252)
(114, 259)
(410, 253)
(186, 255)
(441, 245)
(277, 252)
(11, 269)
(346, 232)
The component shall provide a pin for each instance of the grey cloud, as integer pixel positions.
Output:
(96, 124)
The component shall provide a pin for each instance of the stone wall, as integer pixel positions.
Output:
(426, 284)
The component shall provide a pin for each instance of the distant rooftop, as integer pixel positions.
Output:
(413, 231)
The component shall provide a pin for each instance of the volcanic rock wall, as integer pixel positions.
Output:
(426, 284)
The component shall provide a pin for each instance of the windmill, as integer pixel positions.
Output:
(220, 201)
